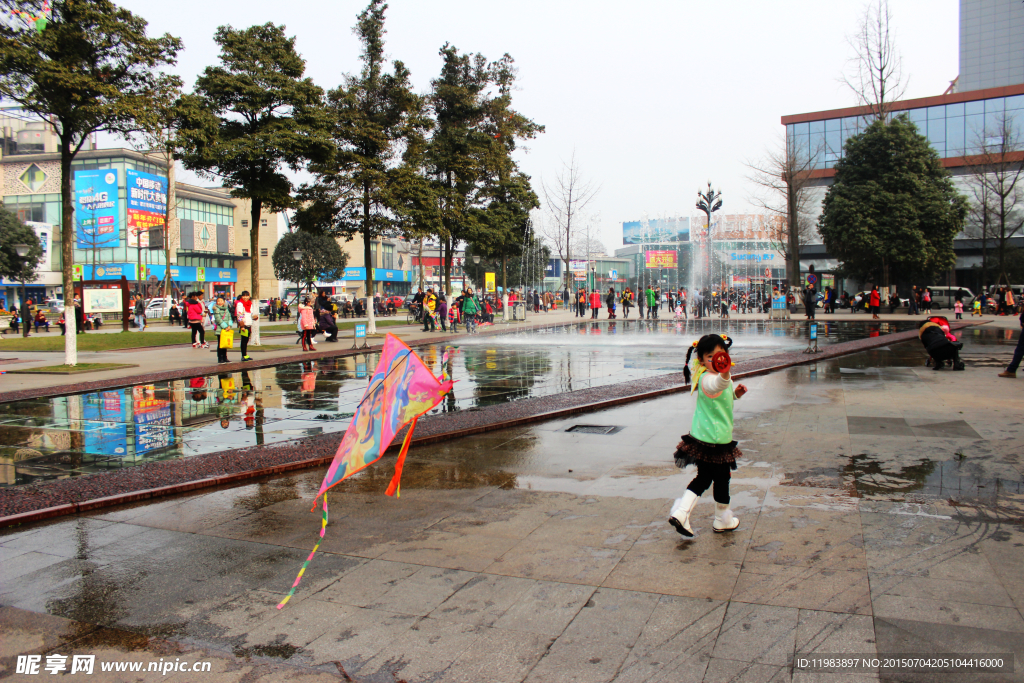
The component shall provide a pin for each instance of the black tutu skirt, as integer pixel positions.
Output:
(691, 451)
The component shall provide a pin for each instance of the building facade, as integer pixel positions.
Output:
(120, 199)
(986, 99)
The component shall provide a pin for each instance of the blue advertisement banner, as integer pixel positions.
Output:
(147, 204)
(97, 209)
(379, 275)
(191, 273)
(657, 230)
(109, 271)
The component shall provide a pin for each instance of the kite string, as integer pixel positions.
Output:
(323, 530)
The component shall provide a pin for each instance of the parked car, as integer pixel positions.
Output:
(945, 297)
(397, 301)
(158, 307)
(265, 307)
(53, 306)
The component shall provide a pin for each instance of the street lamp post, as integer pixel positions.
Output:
(476, 261)
(22, 250)
(709, 202)
(297, 255)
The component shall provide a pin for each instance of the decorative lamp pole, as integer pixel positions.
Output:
(22, 250)
(476, 261)
(709, 202)
(297, 255)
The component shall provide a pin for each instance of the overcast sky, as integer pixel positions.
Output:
(655, 97)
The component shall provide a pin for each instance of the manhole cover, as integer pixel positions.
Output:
(594, 429)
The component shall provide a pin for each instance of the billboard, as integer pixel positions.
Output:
(554, 268)
(102, 300)
(676, 229)
(661, 259)
(97, 209)
(147, 205)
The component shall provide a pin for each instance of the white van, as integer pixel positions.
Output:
(945, 297)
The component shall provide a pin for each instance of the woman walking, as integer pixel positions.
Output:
(245, 315)
(222, 322)
(307, 323)
(610, 302)
(595, 303)
(627, 302)
(194, 314)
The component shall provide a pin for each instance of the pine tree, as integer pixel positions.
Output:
(251, 118)
(374, 118)
(92, 68)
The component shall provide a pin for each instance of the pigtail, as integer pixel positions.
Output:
(727, 340)
(686, 367)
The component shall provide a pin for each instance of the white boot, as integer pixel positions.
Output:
(679, 517)
(724, 519)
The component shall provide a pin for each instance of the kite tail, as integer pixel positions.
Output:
(395, 487)
(323, 530)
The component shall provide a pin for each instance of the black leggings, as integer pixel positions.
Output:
(243, 340)
(198, 327)
(708, 473)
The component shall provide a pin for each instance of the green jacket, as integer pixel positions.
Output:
(651, 299)
(470, 306)
(222, 318)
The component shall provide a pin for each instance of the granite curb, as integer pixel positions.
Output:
(72, 496)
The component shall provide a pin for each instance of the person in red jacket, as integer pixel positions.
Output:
(194, 312)
(595, 303)
(875, 301)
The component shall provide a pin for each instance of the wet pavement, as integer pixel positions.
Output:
(52, 438)
(880, 505)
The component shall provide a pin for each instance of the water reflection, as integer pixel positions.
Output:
(100, 431)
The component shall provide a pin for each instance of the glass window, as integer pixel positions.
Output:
(995, 105)
(955, 136)
(817, 127)
(833, 144)
(976, 107)
(956, 109)
(936, 113)
(833, 125)
(920, 118)
(801, 128)
(850, 127)
(1015, 102)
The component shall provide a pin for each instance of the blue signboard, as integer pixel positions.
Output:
(97, 209)
(554, 268)
(360, 330)
(779, 303)
(814, 331)
(109, 271)
(355, 273)
(379, 275)
(147, 204)
(190, 274)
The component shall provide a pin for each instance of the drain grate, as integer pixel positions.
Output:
(594, 429)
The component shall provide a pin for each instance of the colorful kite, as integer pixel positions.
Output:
(401, 389)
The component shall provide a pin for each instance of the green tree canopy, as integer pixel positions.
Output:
(322, 258)
(893, 209)
(375, 119)
(252, 117)
(93, 68)
(13, 231)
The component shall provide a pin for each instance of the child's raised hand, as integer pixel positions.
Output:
(740, 390)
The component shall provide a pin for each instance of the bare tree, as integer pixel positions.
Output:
(783, 177)
(875, 72)
(566, 199)
(997, 186)
(979, 218)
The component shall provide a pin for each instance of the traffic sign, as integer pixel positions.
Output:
(768, 272)
(614, 274)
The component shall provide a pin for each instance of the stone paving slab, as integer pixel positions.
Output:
(848, 544)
